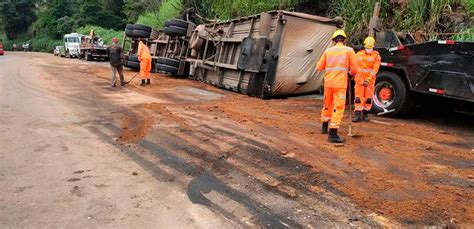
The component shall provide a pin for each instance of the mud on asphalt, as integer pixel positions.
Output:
(263, 162)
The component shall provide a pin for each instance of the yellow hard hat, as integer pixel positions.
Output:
(339, 32)
(369, 42)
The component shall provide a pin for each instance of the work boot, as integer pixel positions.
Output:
(324, 128)
(113, 85)
(148, 81)
(365, 116)
(357, 117)
(142, 83)
(333, 137)
(122, 84)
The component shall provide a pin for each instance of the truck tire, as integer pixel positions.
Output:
(168, 61)
(129, 27)
(142, 28)
(133, 58)
(169, 69)
(392, 92)
(140, 34)
(175, 31)
(88, 56)
(132, 64)
(129, 32)
(177, 23)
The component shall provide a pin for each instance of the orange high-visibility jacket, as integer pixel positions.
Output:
(143, 51)
(337, 61)
(368, 65)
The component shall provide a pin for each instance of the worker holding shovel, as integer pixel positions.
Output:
(145, 62)
(337, 61)
(368, 61)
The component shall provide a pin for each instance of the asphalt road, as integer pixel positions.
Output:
(180, 154)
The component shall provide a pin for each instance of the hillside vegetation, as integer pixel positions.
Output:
(42, 23)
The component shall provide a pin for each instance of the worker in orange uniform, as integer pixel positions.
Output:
(368, 62)
(145, 62)
(337, 61)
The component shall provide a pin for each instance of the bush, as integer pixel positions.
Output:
(43, 44)
(105, 34)
(168, 9)
(465, 35)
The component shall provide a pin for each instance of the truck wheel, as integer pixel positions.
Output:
(88, 57)
(168, 61)
(175, 31)
(132, 64)
(133, 57)
(140, 34)
(391, 92)
(169, 69)
(129, 27)
(129, 32)
(178, 23)
(142, 28)
(67, 54)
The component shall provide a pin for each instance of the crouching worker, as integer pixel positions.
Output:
(115, 54)
(145, 62)
(336, 61)
(368, 62)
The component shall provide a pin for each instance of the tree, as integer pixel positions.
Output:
(93, 12)
(17, 16)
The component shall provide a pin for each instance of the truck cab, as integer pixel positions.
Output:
(71, 45)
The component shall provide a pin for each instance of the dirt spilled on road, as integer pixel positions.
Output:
(412, 171)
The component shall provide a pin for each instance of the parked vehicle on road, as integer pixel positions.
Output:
(26, 47)
(92, 48)
(71, 45)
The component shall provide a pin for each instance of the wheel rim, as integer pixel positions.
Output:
(384, 94)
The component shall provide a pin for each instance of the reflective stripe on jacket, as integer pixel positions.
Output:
(369, 64)
(337, 61)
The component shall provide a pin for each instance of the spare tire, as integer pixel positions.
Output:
(175, 31)
(197, 37)
(142, 28)
(141, 34)
(168, 61)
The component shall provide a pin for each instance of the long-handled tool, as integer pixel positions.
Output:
(349, 132)
(127, 82)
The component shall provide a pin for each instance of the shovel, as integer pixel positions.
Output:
(350, 133)
(127, 82)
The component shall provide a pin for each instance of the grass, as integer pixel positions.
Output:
(465, 35)
(224, 9)
(168, 9)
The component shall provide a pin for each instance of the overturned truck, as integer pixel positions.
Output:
(264, 55)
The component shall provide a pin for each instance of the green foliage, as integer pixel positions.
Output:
(92, 12)
(168, 9)
(44, 44)
(134, 8)
(465, 35)
(16, 16)
(105, 34)
(224, 9)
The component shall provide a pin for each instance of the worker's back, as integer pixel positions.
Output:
(337, 61)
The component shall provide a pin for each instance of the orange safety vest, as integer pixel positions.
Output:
(368, 65)
(143, 51)
(337, 61)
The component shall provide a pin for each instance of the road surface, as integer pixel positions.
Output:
(180, 154)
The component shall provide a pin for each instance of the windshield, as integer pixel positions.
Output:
(73, 39)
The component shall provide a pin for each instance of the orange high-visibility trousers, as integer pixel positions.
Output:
(145, 68)
(334, 105)
(363, 96)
